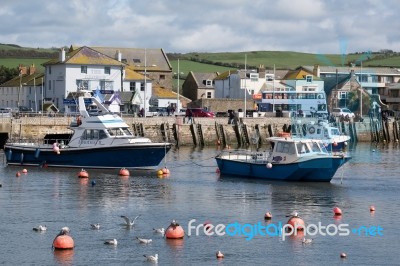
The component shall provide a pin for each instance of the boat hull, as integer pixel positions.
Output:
(312, 170)
(124, 156)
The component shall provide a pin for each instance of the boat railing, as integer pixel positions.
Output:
(246, 155)
(24, 141)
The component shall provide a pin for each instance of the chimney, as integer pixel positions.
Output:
(32, 69)
(62, 55)
(261, 71)
(118, 55)
(316, 71)
(22, 69)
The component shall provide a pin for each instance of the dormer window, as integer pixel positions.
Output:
(308, 78)
(207, 82)
(107, 70)
(269, 77)
(254, 76)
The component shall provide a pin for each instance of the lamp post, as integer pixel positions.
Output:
(19, 89)
(42, 95)
(34, 87)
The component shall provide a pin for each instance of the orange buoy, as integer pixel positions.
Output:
(124, 172)
(284, 134)
(337, 211)
(24, 171)
(83, 174)
(343, 255)
(165, 170)
(174, 231)
(160, 172)
(371, 208)
(297, 223)
(268, 216)
(18, 174)
(63, 242)
(220, 255)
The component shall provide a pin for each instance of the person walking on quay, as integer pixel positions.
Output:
(189, 116)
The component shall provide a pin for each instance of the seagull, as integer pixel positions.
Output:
(128, 221)
(152, 258)
(159, 230)
(111, 242)
(307, 240)
(144, 241)
(40, 228)
(64, 231)
(95, 226)
(294, 214)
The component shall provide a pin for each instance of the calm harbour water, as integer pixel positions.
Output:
(57, 198)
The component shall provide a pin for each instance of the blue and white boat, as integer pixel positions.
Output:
(332, 138)
(290, 159)
(99, 139)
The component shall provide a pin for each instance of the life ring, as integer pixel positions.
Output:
(319, 96)
(311, 130)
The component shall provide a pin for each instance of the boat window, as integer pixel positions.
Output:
(326, 133)
(335, 132)
(302, 148)
(126, 131)
(115, 132)
(285, 147)
(89, 134)
(315, 147)
(102, 134)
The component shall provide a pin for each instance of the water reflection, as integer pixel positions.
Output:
(64, 257)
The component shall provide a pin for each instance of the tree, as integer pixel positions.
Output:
(7, 73)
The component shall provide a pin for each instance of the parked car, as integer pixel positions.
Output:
(342, 111)
(199, 112)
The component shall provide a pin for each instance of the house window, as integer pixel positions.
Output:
(84, 69)
(106, 85)
(132, 86)
(209, 95)
(308, 78)
(141, 86)
(269, 77)
(136, 60)
(49, 69)
(162, 77)
(107, 70)
(82, 84)
(254, 76)
(342, 95)
(49, 85)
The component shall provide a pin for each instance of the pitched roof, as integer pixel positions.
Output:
(130, 74)
(200, 77)
(357, 69)
(226, 74)
(331, 82)
(35, 79)
(85, 56)
(299, 73)
(155, 59)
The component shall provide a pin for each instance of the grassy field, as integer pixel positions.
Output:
(14, 62)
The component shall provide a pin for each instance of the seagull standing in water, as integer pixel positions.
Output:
(159, 230)
(40, 228)
(307, 240)
(152, 258)
(95, 226)
(128, 221)
(113, 242)
(144, 241)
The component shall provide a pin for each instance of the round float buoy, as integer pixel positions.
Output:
(63, 242)
(343, 255)
(296, 222)
(337, 211)
(24, 171)
(83, 174)
(174, 231)
(269, 165)
(220, 255)
(371, 208)
(124, 172)
(160, 172)
(335, 144)
(165, 170)
(268, 216)
(18, 174)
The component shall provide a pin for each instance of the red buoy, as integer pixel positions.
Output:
(268, 216)
(372, 208)
(174, 231)
(24, 171)
(63, 242)
(18, 174)
(297, 222)
(343, 255)
(124, 172)
(165, 171)
(337, 211)
(220, 255)
(83, 174)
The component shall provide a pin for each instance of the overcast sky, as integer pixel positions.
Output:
(315, 26)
